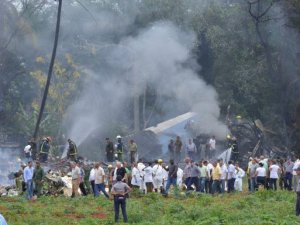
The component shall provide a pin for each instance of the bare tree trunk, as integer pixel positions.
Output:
(50, 71)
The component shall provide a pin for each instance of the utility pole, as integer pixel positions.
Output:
(49, 71)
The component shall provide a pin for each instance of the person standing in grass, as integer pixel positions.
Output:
(172, 176)
(239, 174)
(136, 179)
(274, 171)
(295, 177)
(288, 174)
(216, 177)
(224, 171)
(231, 177)
(297, 170)
(187, 173)
(38, 176)
(28, 178)
(195, 172)
(203, 176)
(99, 181)
(119, 191)
(75, 179)
(260, 175)
(158, 175)
(252, 172)
(148, 178)
(82, 175)
(92, 179)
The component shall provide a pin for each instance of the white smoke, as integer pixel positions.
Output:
(10, 162)
(157, 56)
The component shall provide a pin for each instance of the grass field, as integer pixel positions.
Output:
(263, 207)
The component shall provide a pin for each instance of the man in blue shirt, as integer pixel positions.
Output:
(28, 175)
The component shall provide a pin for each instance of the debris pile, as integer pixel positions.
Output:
(8, 191)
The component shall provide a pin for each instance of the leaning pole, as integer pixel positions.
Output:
(49, 71)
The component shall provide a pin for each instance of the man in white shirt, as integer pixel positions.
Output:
(92, 179)
(141, 167)
(261, 174)
(231, 177)
(27, 151)
(212, 146)
(179, 177)
(28, 175)
(239, 174)
(224, 171)
(148, 178)
(209, 181)
(76, 178)
(274, 174)
(99, 180)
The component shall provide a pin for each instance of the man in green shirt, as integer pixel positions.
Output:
(38, 176)
(132, 146)
(203, 176)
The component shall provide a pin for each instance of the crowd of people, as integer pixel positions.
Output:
(205, 176)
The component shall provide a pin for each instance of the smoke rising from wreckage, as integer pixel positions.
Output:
(154, 67)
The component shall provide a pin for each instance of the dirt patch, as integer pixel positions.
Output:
(3, 208)
(74, 215)
(99, 215)
(9, 199)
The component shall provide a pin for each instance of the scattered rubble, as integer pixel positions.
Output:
(8, 191)
(57, 180)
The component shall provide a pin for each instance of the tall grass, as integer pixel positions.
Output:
(262, 207)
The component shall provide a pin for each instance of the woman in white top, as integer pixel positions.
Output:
(260, 175)
(136, 176)
(274, 171)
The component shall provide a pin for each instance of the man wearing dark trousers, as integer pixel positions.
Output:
(119, 191)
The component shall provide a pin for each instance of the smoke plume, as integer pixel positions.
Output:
(160, 57)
